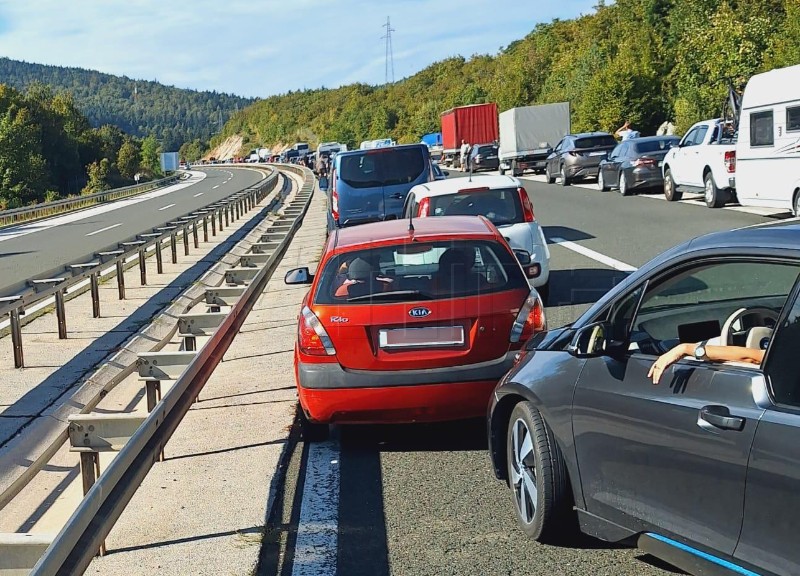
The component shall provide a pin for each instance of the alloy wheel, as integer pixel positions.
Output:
(523, 476)
(623, 184)
(709, 192)
(601, 185)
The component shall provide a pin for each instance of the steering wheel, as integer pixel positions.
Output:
(734, 323)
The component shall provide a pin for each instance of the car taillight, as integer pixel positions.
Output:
(650, 162)
(424, 208)
(530, 319)
(334, 201)
(730, 161)
(527, 206)
(311, 335)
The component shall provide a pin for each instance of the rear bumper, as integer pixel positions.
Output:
(400, 404)
(581, 171)
(331, 376)
(646, 178)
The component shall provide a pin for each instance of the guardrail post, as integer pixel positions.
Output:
(213, 224)
(94, 281)
(227, 216)
(194, 235)
(186, 240)
(205, 228)
(121, 279)
(16, 339)
(61, 315)
(237, 204)
(90, 471)
(219, 212)
(173, 245)
(159, 258)
(143, 266)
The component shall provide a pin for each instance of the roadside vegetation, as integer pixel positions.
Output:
(646, 61)
(48, 150)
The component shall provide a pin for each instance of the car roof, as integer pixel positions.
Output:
(587, 134)
(784, 235)
(652, 138)
(455, 185)
(424, 229)
(380, 150)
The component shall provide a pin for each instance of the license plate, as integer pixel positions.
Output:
(419, 337)
(597, 153)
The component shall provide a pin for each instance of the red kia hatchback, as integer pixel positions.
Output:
(410, 322)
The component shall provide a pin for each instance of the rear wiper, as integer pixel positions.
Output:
(393, 295)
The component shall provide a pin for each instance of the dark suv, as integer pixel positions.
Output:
(578, 156)
(484, 157)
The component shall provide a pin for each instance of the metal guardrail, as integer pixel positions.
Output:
(83, 535)
(40, 289)
(48, 209)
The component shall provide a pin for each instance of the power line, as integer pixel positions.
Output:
(389, 51)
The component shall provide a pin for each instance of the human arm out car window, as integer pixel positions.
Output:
(712, 354)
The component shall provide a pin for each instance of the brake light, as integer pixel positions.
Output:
(644, 162)
(527, 206)
(334, 198)
(424, 208)
(312, 339)
(730, 161)
(530, 320)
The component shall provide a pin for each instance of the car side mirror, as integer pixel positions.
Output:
(523, 256)
(594, 340)
(298, 276)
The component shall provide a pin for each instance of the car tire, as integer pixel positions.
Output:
(714, 197)
(312, 431)
(537, 476)
(601, 182)
(502, 171)
(796, 204)
(623, 184)
(544, 292)
(563, 175)
(547, 176)
(670, 191)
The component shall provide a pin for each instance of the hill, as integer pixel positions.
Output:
(640, 60)
(140, 108)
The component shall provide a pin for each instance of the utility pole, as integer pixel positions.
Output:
(389, 53)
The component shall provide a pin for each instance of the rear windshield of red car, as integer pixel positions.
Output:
(595, 141)
(419, 271)
(385, 167)
(501, 205)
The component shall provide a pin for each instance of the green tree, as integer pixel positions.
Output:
(128, 158)
(151, 159)
(98, 177)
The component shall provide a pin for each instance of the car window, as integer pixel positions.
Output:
(386, 167)
(694, 304)
(595, 141)
(699, 135)
(417, 271)
(651, 146)
(781, 364)
(688, 140)
(501, 206)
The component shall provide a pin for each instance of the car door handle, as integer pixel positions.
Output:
(720, 417)
(398, 196)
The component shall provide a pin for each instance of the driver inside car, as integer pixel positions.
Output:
(707, 352)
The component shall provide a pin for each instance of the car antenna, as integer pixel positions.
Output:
(411, 221)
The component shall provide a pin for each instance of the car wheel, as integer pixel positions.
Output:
(715, 198)
(797, 203)
(601, 182)
(544, 292)
(502, 171)
(623, 184)
(312, 431)
(537, 476)
(547, 176)
(563, 174)
(670, 192)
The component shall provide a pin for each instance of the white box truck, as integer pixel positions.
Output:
(528, 134)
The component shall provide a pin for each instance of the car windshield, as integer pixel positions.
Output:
(655, 145)
(382, 167)
(418, 271)
(595, 141)
(500, 205)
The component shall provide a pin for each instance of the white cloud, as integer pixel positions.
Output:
(263, 47)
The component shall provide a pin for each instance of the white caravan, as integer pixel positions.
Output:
(768, 147)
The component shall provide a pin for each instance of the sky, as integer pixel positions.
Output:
(258, 48)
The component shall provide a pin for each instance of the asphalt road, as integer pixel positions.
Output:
(419, 500)
(41, 248)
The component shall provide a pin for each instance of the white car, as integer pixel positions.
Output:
(504, 201)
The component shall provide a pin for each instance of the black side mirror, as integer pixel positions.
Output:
(298, 276)
(594, 340)
(523, 256)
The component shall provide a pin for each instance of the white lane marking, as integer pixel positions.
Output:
(25, 229)
(104, 229)
(315, 547)
(165, 207)
(589, 253)
(199, 194)
(215, 187)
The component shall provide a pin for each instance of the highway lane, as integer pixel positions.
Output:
(419, 500)
(31, 250)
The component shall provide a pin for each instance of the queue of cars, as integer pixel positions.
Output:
(430, 311)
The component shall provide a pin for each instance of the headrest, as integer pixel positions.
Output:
(359, 269)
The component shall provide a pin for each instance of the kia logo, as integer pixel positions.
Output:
(419, 312)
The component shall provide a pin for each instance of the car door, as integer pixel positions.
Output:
(611, 166)
(695, 160)
(662, 458)
(772, 499)
(554, 160)
(679, 167)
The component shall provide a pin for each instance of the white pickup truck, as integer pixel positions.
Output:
(704, 162)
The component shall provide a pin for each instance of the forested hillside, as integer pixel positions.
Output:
(172, 115)
(642, 60)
